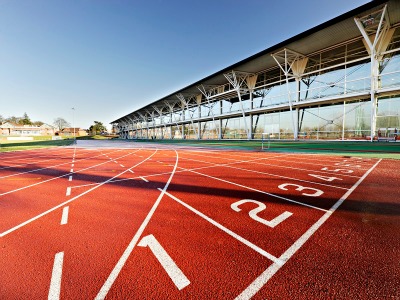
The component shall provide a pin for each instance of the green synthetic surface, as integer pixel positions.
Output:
(361, 148)
(6, 146)
(344, 148)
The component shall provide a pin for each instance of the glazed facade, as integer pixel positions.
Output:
(349, 90)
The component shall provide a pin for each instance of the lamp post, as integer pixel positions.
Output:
(73, 123)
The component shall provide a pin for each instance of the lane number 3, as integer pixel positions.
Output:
(300, 188)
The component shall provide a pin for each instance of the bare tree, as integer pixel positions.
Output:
(60, 123)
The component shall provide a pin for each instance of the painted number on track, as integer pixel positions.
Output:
(300, 188)
(165, 260)
(261, 206)
(338, 170)
(325, 178)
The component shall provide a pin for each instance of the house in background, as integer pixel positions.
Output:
(10, 129)
(71, 131)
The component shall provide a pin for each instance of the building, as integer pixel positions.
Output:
(10, 129)
(73, 131)
(338, 80)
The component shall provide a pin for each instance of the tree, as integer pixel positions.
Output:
(37, 123)
(1, 119)
(97, 128)
(25, 120)
(13, 120)
(60, 123)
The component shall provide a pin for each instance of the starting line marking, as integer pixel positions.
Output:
(68, 191)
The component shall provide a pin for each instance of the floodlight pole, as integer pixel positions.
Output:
(73, 123)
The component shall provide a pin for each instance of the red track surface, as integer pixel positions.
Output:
(130, 221)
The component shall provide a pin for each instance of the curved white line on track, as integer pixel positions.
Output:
(261, 280)
(72, 199)
(121, 262)
(53, 166)
(67, 174)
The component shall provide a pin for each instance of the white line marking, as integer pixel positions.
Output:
(72, 171)
(70, 178)
(166, 261)
(72, 165)
(252, 189)
(68, 191)
(144, 179)
(54, 178)
(261, 280)
(68, 201)
(131, 171)
(55, 283)
(230, 232)
(64, 218)
(122, 165)
(121, 262)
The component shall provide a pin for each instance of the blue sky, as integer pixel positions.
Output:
(108, 58)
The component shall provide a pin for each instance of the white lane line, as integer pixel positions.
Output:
(72, 171)
(230, 165)
(68, 201)
(122, 165)
(261, 280)
(54, 178)
(169, 265)
(226, 230)
(70, 178)
(55, 283)
(72, 165)
(144, 179)
(281, 166)
(64, 218)
(121, 262)
(164, 173)
(68, 191)
(131, 171)
(117, 162)
(252, 189)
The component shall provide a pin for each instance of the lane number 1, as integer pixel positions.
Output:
(176, 275)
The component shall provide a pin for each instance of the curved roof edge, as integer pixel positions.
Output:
(342, 17)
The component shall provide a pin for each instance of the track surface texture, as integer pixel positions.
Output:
(125, 220)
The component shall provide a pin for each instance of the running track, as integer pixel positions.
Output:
(124, 220)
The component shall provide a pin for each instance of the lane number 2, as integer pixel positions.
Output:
(261, 206)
